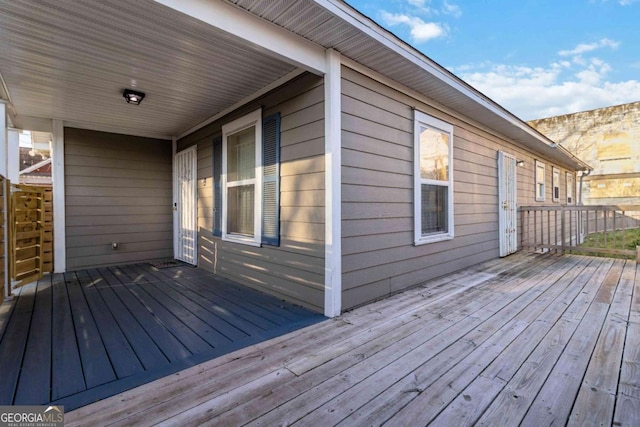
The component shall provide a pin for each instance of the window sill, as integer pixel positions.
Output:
(425, 240)
(241, 240)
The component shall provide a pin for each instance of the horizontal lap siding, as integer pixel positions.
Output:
(379, 257)
(117, 189)
(294, 270)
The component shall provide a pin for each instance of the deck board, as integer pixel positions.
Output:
(79, 337)
(123, 357)
(15, 335)
(35, 376)
(170, 346)
(145, 348)
(517, 341)
(66, 367)
(96, 365)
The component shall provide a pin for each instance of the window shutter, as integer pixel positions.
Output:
(217, 186)
(271, 180)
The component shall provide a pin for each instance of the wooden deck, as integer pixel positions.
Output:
(76, 338)
(530, 340)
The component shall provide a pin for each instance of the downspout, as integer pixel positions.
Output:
(582, 175)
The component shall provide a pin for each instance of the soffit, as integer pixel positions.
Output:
(71, 60)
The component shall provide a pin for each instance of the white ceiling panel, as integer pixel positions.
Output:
(70, 60)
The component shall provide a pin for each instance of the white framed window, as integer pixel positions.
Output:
(242, 179)
(433, 179)
(555, 184)
(571, 186)
(540, 181)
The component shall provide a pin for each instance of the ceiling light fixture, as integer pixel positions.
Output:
(133, 96)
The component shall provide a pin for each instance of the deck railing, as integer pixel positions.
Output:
(599, 230)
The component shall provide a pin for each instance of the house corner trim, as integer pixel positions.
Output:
(57, 172)
(333, 183)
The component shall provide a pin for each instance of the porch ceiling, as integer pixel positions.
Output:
(71, 60)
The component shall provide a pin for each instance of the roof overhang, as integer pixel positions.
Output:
(335, 24)
(197, 59)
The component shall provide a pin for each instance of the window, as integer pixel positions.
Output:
(246, 174)
(555, 183)
(242, 185)
(540, 181)
(571, 185)
(433, 179)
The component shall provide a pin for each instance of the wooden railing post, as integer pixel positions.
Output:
(562, 231)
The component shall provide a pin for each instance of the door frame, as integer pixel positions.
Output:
(507, 204)
(180, 208)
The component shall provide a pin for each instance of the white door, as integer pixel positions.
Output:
(508, 209)
(185, 206)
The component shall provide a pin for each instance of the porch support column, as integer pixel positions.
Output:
(57, 176)
(3, 172)
(3, 138)
(333, 183)
(174, 192)
(13, 155)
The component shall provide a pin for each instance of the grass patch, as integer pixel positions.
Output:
(614, 241)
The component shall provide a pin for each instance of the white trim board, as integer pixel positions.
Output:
(4, 139)
(13, 155)
(57, 177)
(267, 37)
(333, 183)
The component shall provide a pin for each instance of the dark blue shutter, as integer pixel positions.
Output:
(271, 180)
(217, 186)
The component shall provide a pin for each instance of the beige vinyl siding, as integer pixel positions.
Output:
(379, 257)
(118, 189)
(294, 270)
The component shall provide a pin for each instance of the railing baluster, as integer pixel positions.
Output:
(535, 230)
(613, 233)
(606, 229)
(624, 229)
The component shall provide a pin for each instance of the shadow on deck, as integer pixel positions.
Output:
(80, 337)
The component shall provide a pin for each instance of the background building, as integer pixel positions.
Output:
(608, 139)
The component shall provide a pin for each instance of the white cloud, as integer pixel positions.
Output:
(578, 81)
(561, 88)
(420, 30)
(451, 9)
(589, 47)
(421, 7)
(417, 3)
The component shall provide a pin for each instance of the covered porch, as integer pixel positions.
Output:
(525, 340)
(78, 337)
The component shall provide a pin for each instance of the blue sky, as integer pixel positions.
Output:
(535, 58)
